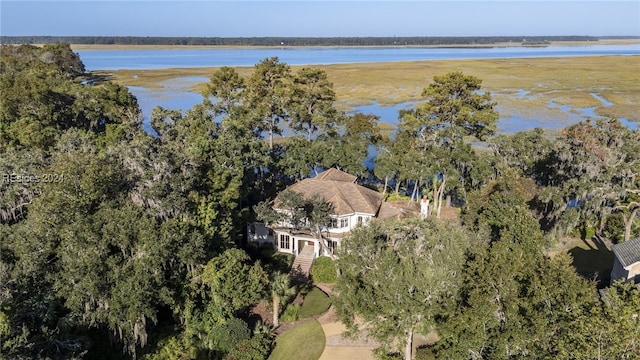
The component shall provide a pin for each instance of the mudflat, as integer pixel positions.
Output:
(527, 85)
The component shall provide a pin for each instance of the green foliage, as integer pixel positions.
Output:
(349, 150)
(527, 151)
(396, 276)
(257, 348)
(593, 166)
(311, 102)
(228, 336)
(430, 150)
(267, 96)
(232, 283)
(525, 304)
(281, 291)
(323, 270)
(619, 336)
(44, 94)
(425, 353)
(272, 260)
(396, 196)
(588, 232)
(456, 107)
(305, 341)
(614, 228)
(315, 303)
(503, 207)
(227, 88)
(291, 313)
(312, 213)
(173, 348)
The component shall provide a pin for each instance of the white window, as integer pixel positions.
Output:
(339, 223)
(359, 219)
(332, 246)
(284, 241)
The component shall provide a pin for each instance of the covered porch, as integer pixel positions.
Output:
(295, 243)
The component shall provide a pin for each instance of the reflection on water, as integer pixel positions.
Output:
(174, 94)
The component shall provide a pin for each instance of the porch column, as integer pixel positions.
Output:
(294, 247)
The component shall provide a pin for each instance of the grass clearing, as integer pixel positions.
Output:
(565, 80)
(589, 256)
(591, 259)
(315, 303)
(305, 341)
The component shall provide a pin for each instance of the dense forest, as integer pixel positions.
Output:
(289, 41)
(117, 243)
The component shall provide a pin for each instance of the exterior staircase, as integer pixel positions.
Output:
(302, 265)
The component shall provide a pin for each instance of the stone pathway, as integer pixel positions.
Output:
(338, 347)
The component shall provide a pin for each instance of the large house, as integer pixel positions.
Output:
(353, 205)
(626, 263)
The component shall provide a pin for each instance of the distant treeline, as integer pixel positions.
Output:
(289, 41)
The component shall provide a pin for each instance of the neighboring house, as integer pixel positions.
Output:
(353, 205)
(626, 261)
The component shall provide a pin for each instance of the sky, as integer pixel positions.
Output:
(317, 18)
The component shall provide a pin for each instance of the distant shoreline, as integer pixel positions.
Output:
(440, 46)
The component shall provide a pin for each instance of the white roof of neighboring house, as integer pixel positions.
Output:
(628, 252)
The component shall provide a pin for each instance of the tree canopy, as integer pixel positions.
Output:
(394, 277)
(118, 243)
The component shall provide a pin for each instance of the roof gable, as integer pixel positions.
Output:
(627, 252)
(336, 175)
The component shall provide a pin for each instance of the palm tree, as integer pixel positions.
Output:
(280, 288)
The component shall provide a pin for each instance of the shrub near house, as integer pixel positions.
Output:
(323, 270)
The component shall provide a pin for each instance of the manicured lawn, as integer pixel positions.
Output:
(315, 303)
(305, 341)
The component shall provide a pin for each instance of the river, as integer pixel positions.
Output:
(188, 57)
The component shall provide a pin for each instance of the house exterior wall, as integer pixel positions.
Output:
(618, 271)
(259, 233)
(352, 221)
(634, 272)
(290, 243)
(630, 273)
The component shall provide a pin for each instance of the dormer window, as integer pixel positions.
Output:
(338, 223)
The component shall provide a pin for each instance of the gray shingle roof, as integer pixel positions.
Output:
(627, 252)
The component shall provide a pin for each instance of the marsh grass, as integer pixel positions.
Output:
(567, 81)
